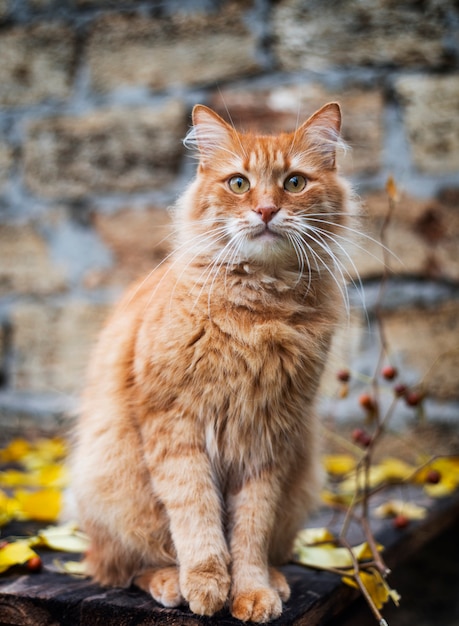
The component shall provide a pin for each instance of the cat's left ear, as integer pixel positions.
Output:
(321, 133)
(209, 133)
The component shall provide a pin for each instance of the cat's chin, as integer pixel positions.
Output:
(267, 247)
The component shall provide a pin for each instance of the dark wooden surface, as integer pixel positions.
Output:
(52, 599)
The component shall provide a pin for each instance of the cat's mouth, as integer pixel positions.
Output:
(264, 233)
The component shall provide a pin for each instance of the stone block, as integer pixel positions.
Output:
(318, 35)
(3, 9)
(182, 48)
(25, 263)
(139, 239)
(282, 108)
(425, 341)
(422, 237)
(6, 162)
(106, 151)
(431, 117)
(37, 63)
(52, 343)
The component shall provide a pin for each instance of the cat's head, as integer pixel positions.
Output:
(265, 199)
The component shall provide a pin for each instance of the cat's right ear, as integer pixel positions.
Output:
(209, 133)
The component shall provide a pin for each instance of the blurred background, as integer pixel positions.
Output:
(95, 98)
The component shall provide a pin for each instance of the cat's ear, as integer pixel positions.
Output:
(209, 133)
(321, 134)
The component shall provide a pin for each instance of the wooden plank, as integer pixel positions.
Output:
(53, 599)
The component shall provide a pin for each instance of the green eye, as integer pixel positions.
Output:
(239, 184)
(295, 183)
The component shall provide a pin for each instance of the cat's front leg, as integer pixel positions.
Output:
(182, 479)
(257, 590)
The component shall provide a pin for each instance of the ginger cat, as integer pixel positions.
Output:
(196, 457)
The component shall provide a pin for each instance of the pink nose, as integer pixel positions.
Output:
(266, 212)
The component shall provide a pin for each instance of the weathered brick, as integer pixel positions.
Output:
(138, 238)
(281, 108)
(425, 341)
(51, 344)
(431, 106)
(184, 47)
(37, 63)
(6, 162)
(3, 9)
(422, 236)
(25, 263)
(115, 150)
(318, 35)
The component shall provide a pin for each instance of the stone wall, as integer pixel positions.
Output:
(95, 97)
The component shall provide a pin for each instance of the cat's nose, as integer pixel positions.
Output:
(267, 212)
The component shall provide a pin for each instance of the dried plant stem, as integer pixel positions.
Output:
(356, 576)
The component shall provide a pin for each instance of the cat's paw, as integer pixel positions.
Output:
(206, 586)
(163, 584)
(278, 582)
(256, 605)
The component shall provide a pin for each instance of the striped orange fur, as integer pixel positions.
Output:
(196, 456)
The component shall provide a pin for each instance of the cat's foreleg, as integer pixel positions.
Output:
(257, 590)
(182, 480)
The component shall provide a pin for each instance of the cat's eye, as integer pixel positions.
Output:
(295, 183)
(239, 184)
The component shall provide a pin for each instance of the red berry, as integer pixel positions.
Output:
(389, 372)
(413, 398)
(34, 564)
(400, 521)
(400, 390)
(3, 544)
(357, 433)
(361, 437)
(344, 376)
(433, 477)
(367, 402)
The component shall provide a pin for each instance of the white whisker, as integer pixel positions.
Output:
(336, 264)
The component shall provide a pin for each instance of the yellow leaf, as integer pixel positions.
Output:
(43, 505)
(391, 508)
(339, 463)
(15, 451)
(448, 469)
(8, 508)
(329, 556)
(44, 452)
(15, 553)
(66, 538)
(53, 475)
(377, 587)
(388, 471)
(391, 189)
(312, 536)
(75, 568)
(330, 498)
(15, 478)
(394, 469)
(445, 487)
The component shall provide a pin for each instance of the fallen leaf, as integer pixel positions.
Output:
(448, 468)
(15, 553)
(392, 508)
(377, 587)
(329, 556)
(339, 464)
(14, 451)
(8, 508)
(66, 538)
(391, 189)
(43, 505)
(313, 536)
